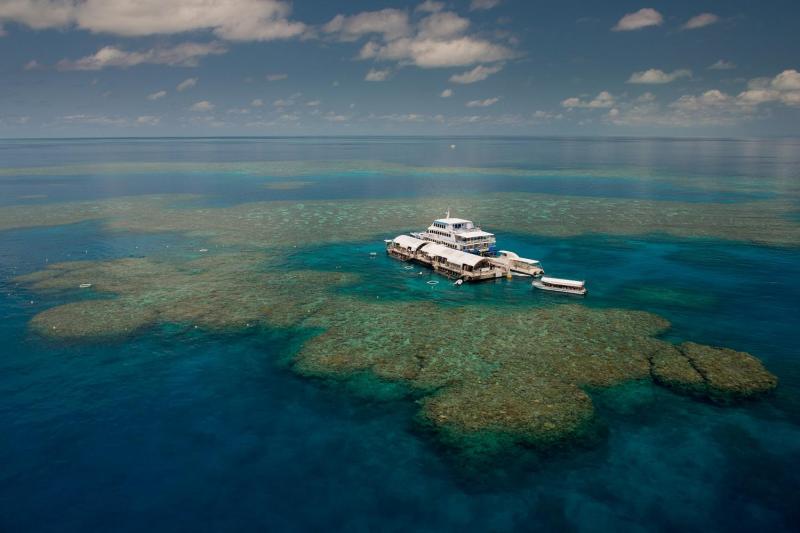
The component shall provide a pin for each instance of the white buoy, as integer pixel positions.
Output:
(85, 285)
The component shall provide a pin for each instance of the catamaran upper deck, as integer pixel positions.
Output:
(459, 234)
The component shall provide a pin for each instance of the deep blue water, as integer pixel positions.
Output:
(194, 431)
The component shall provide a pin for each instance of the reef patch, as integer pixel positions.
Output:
(481, 374)
(286, 224)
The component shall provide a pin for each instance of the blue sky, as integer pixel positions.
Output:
(457, 67)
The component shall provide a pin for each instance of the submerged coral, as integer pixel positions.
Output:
(219, 292)
(288, 185)
(520, 373)
(514, 374)
(302, 168)
(277, 223)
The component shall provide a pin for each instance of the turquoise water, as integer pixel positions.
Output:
(182, 429)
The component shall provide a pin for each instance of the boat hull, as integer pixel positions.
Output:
(576, 292)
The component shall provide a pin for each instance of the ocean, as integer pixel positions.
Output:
(174, 393)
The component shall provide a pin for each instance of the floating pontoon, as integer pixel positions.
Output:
(459, 249)
(447, 261)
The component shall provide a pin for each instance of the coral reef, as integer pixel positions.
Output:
(754, 184)
(516, 374)
(278, 223)
(227, 291)
(288, 185)
(718, 374)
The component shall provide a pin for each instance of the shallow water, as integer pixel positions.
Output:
(178, 428)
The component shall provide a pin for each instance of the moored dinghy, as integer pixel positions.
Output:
(568, 286)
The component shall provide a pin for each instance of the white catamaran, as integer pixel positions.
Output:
(459, 234)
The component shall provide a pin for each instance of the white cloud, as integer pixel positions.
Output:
(203, 106)
(711, 98)
(723, 65)
(38, 14)
(182, 55)
(791, 99)
(407, 117)
(545, 116)
(276, 77)
(94, 120)
(377, 75)
(157, 95)
(783, 88)
(603, 100)
(447, 93)
(390, 23)
(330, 116)
(258, 102)
(314, 103)
(700, 21)
(713, 107)
(148, 120)
(646, 97)
(483, 4)
(655, 76)
(32, 65)
(483, 103)
(432, 53)
(788, 80)
(186, 84)
(643, 18)
(757, 96)
(442, 25)
(237, 20)
(437, 40)
(479, 73)
(429, 6)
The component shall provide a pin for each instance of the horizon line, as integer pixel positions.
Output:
(409, 136)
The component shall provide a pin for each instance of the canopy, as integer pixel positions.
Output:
(406, 241)
(563, 282)
(453, 256)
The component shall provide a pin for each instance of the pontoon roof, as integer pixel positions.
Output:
(407, 241)
(453, 256)
(564, 282)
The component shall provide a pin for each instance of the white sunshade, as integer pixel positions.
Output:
(563, 282)
(453, 256)
(407, 241)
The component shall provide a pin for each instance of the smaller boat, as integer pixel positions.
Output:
(568, 286)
